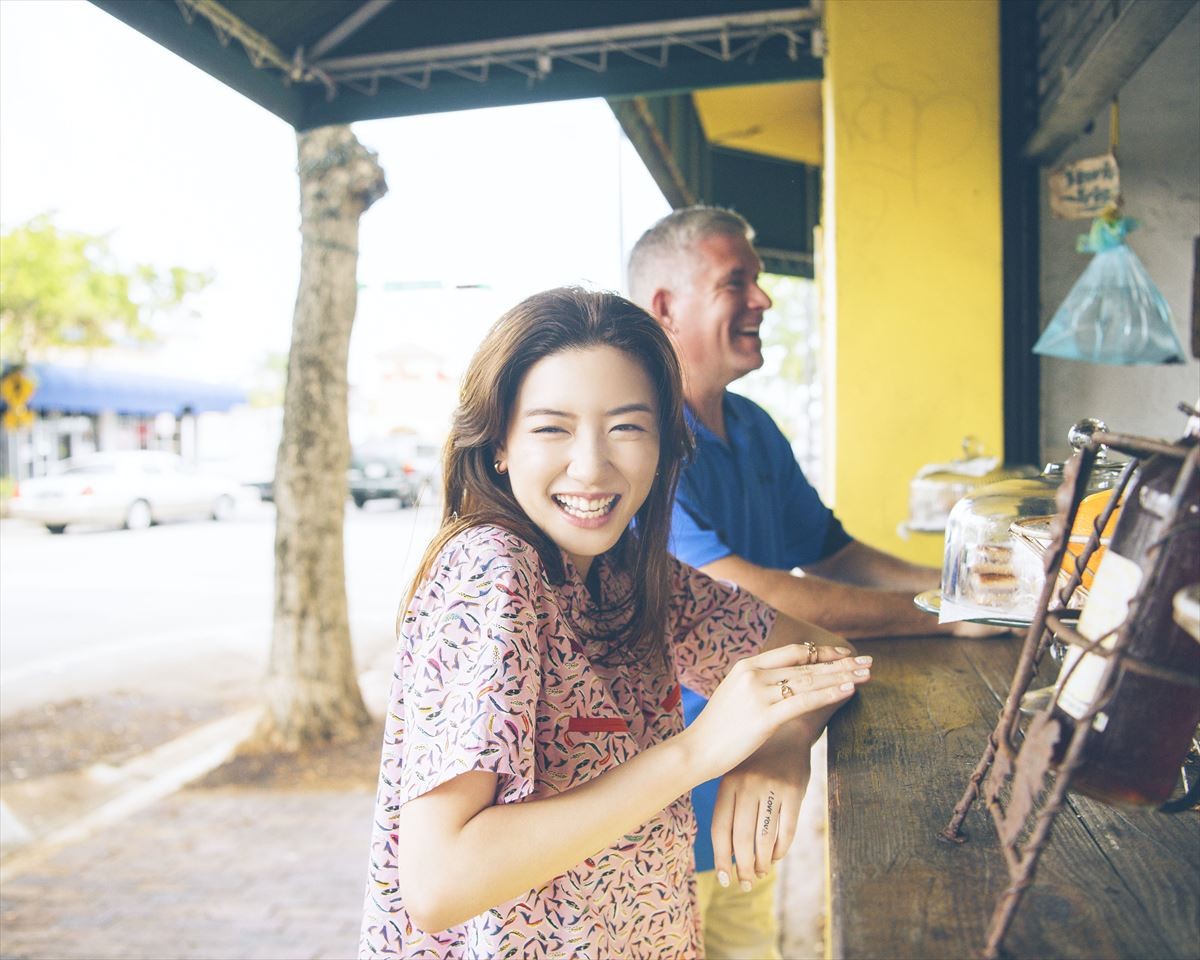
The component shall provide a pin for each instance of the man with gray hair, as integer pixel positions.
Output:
(745, 513)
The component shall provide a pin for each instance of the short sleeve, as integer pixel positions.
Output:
(694, 538)
(470, 669)
(713, 625)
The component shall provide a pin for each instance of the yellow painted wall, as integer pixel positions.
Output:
(912, 253)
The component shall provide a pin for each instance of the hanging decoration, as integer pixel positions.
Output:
(1114, 313)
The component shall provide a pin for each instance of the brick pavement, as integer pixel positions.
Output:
(205, 874)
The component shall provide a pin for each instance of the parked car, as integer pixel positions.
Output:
(132, 489)
(264, 488)
(381, 478)
(400, 468)
(414, 457)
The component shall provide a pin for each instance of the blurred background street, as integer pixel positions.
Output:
(181, 608)
(131, 666)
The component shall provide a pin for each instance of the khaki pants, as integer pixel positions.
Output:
(738, 926)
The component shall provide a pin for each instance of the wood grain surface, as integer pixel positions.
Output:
(1110, 883)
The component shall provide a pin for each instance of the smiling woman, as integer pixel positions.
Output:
(582, 450)
(542, 368)
(535, 774)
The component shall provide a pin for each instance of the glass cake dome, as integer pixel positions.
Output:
(937, 487)
(989, 572)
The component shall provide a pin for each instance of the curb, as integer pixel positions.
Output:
(144, 779)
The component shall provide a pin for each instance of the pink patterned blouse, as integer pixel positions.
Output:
(491, 675)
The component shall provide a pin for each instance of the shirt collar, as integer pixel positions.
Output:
(696, 425)
(573, 589)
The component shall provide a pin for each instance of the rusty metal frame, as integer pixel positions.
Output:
(1019, 762)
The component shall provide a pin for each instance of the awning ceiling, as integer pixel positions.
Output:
(315, 62)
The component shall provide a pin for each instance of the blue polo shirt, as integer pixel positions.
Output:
(746, 497)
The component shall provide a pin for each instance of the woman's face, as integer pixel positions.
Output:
(582, 448)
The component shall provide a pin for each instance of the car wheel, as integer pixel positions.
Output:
(138, 516)
(359, 501)
(223, 508)
(56, 528)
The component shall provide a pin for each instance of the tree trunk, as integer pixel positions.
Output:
(312, 688)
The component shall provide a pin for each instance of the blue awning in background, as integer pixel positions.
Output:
(94, 390)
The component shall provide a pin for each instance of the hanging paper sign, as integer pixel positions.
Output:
(1085, 188)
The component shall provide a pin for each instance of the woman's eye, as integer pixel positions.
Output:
(630, 427)
(548, 429)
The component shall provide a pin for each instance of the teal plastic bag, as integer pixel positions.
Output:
(1114, 313)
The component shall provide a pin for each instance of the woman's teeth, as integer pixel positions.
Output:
(583, 508)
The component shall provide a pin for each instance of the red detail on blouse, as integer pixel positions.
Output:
(597, 725)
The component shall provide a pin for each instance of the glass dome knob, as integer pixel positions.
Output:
(1081, 433)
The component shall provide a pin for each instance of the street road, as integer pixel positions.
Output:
(182, 607)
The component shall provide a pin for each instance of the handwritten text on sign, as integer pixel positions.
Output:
(1085, 188)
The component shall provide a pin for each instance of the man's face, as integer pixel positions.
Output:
(715, 315)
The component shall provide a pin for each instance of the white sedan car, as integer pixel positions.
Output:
(132, 489)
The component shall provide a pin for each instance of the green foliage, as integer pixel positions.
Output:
(791, 345)
(270, 382)
(788, 386)
(63, 289)
(792, 327)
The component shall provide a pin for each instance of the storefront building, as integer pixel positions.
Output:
(81, 410)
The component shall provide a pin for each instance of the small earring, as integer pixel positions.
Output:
(498, 467)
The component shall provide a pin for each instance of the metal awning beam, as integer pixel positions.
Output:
(644, 34)
(351, 25)
(541, 60)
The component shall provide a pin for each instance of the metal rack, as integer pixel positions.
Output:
(1023, 789)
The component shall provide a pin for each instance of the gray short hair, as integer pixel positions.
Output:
(657, 258)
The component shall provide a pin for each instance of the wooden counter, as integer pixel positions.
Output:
(1111, 883)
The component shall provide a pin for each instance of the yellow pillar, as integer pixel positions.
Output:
(911, 250)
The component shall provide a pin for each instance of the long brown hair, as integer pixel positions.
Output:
(548, 323)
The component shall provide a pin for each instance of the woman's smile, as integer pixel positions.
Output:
(589, 511)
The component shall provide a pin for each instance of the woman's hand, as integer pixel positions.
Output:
(762, 693)
(758, 802)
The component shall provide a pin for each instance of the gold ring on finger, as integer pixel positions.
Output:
(784, 690)
(812, 651)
